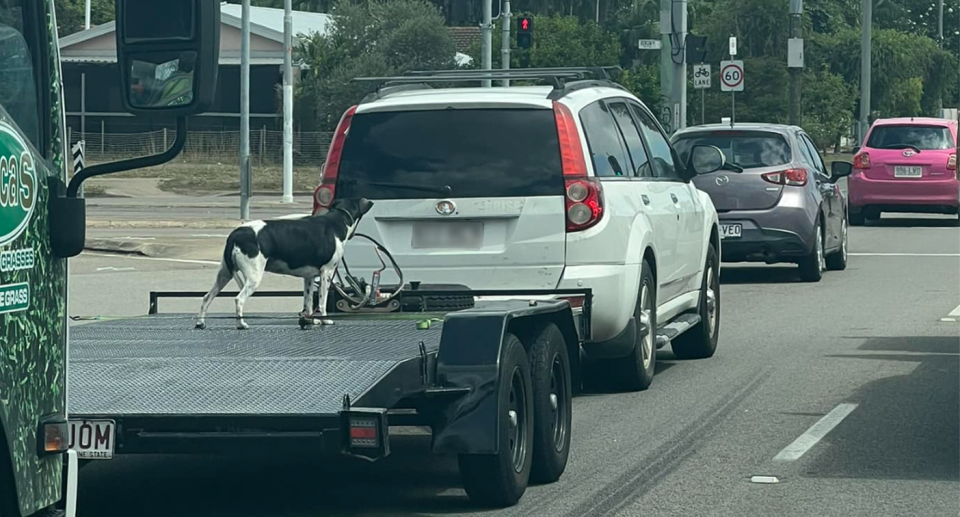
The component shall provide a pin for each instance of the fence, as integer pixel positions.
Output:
(266, 146)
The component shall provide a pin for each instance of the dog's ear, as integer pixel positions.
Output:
(365, 205)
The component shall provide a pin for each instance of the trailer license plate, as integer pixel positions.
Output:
(93, 439)
(448, 235)
(907, 172)
(731, 231)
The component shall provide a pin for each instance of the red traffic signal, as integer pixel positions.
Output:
(525, 24)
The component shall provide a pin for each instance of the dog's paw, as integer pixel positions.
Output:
(243, 326)
(200, 326)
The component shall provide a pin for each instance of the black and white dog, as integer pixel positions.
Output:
(307, 248)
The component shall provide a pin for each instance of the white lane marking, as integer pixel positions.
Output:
(210, 235)
(905, 254)
(157, 259)
(111, 268)
(947, 320)
(801, 445)
(767, 480)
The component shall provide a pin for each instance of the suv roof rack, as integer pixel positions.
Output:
(578, 77)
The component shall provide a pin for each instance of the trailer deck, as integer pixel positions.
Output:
(158, 365)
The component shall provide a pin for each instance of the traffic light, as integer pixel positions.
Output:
(524, 32)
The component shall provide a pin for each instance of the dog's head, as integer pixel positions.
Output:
(356, 208)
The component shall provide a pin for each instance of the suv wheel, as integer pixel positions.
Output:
(812, 266)
(700, 342)
(635, 371)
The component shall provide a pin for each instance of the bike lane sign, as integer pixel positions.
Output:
(701, 77)
(731, 76)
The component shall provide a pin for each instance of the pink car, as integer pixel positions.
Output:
(906, 165)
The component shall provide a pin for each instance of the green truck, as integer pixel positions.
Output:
(168, 52)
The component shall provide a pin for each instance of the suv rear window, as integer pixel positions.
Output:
(748, 149)
(474, 152)
(925, 138)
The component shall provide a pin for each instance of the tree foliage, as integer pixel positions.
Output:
(71, 14)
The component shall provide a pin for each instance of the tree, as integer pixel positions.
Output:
(380, 37)
(827, 107)
(71, 14)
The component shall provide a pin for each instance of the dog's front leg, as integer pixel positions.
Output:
(326, 278)
(308, 288)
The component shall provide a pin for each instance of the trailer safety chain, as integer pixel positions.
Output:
(371, 296)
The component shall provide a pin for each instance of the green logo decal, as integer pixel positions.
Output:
(18, 184)
(14, 298)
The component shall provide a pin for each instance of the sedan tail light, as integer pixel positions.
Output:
(792, 177)
(861, 161)
(952, 162)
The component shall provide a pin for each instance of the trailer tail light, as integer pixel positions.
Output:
(792, 177)
(55, 437)
(365, 432)
(861, 161)
(324, 195)
(583, 197)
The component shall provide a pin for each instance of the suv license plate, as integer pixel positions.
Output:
(731, 231)
(93, 439)
(448, 235)
(907, 172)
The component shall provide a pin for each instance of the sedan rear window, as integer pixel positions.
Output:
(748, 149)
(460, 153)
(921, 137)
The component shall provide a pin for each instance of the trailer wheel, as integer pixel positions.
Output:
(499, 480)
(552, 403)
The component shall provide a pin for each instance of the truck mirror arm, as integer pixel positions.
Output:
(133, 163)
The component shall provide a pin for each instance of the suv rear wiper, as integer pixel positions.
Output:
(409, 186)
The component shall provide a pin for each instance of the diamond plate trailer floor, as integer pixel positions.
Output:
(158, 365)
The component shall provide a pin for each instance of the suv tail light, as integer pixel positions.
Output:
(792, 177)
(861, 161)
(583, 195)
(324, 195)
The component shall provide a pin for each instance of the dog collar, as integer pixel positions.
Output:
(347, 214)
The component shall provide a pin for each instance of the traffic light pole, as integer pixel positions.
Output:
(505, 40)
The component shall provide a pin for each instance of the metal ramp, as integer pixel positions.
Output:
(159, 365)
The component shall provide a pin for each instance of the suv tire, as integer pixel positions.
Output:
(700, 342)
(635, 371)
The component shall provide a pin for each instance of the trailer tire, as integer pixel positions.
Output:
(552, 403)
(500, 480)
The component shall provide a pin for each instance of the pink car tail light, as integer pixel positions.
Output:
(861, 161)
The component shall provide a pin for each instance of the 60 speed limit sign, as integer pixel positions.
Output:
(731, 76)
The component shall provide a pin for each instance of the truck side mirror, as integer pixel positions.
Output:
(168, 52)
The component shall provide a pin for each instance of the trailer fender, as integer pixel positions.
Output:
(469, 357)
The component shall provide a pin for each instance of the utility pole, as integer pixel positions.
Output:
(795, 60)
(245, 111)
(83, 96)
(865, 69)
(666, 66)
(505, 41)
(287, 101)
(486, 40)
(679, 64)
(940, 44)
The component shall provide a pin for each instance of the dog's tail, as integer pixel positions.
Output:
(243, 239)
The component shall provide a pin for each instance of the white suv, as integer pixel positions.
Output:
(569, 186)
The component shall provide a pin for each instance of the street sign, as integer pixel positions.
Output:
(701, 77)
(731, 76)
(733, 45)
(79, 162)
(650, 44)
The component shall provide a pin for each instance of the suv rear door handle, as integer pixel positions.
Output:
(646, 200)
(674, 198)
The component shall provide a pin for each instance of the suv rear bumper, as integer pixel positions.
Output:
(925, 192)
(615, 289)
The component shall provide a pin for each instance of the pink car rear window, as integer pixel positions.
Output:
(915, 136)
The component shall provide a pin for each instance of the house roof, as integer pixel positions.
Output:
(464, 37)
(270, 20)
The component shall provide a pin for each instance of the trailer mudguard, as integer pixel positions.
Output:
(469, 358)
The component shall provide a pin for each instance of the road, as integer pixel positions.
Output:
(868, 353)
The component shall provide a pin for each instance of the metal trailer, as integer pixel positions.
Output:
(493, 383)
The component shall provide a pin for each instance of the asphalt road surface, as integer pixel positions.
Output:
(867, 360)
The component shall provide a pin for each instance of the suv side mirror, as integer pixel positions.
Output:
(840, 170)
(706, 159)
(168, 52)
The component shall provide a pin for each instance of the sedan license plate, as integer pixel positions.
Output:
(731, 231)
(93, 439)
(448, 235)
(907, 172)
